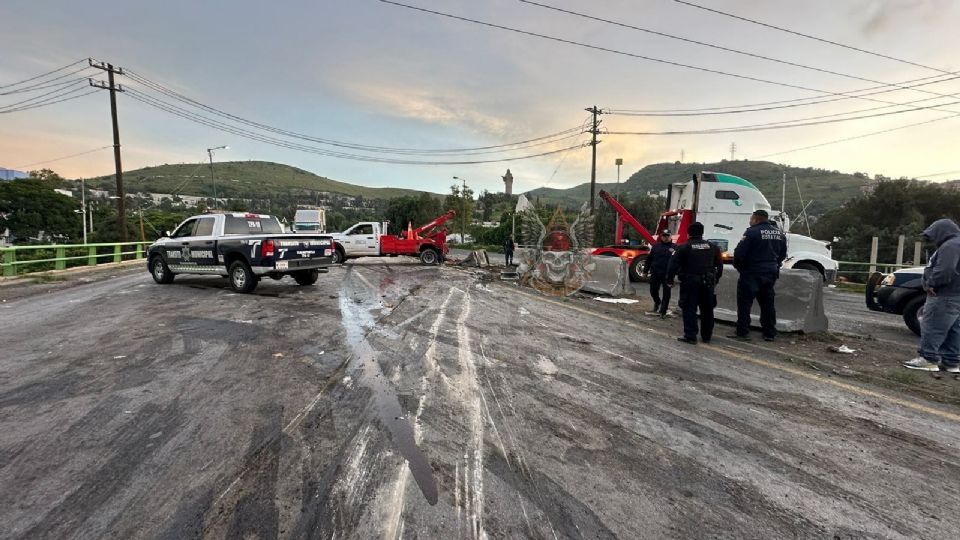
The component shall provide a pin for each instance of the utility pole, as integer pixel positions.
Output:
(463, 210)
(733, 151)
(682, 155)
(83, 208)
(618, 162)
(114, 88)
(594, 142)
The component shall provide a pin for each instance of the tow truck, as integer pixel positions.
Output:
(723, 203)
(371, 239)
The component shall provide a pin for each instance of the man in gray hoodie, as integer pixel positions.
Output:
(940, 327)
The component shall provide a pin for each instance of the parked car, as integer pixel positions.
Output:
(900, 293)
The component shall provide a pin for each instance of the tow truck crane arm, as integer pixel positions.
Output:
(433, 224)
(624, 215)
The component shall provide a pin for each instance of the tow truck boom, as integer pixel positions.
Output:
(624, 215)
(433, 224)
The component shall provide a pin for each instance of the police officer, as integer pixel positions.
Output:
(758, 257)
(656, 265)
(699, 264)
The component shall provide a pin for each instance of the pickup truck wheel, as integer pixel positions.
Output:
(306, 277)
(242, 279)
(636, 268)
(913, 313)
(338, 257)
(159, 270)
(429, 256)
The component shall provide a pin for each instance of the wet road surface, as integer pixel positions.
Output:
(392, 400)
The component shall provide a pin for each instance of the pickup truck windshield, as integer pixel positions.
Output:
(251, 225)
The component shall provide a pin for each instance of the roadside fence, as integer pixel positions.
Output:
(18, 260)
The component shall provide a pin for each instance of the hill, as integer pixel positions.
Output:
(241, 179)
(827, 189)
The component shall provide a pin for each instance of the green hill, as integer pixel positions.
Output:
(240, 179)
(827, 189)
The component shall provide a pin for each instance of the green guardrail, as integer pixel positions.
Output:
(17, 260)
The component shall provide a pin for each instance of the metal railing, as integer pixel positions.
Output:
(868, 268)
(17, 260)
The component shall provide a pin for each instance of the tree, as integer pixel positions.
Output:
(895, 207)
(416, 210)
(647, 210)
(461, 201)
(29, 206)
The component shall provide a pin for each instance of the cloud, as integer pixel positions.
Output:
(429, 107)
(884, 14)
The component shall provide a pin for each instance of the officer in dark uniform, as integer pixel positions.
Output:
(699, 264)
(758, 257)
(656, 265)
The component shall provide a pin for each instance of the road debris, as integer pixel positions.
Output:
(616, 300)
(842, 349)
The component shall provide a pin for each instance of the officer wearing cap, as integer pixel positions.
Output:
(758, 258)
(656, 265)
(699, 264)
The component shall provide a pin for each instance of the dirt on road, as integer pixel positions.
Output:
(392, 400)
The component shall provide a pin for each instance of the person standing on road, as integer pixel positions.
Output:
(441, 241)
(758, 258)
(656, 265)
(699, 264)
(940, 325)
(508, 246)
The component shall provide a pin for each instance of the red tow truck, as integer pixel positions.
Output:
(370, 239)
(635, 255)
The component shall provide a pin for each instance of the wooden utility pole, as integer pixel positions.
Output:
(595, 130)
(114, 88)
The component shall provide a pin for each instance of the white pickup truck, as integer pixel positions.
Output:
(370, 239)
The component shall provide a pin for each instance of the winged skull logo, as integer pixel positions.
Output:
(558, 264)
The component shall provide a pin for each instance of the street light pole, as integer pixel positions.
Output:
(212, 177)
(619, 162)
(83, 210)
(463, 210)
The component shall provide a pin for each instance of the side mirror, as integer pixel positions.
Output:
(166, 234)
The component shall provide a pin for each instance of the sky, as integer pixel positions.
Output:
(369, 73)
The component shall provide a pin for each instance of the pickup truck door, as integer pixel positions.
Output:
(199, 249)
(173, 247)
(362, 240)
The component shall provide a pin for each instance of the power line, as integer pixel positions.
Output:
(629, 54)
(49, 101)
(76, 83)
(200, 119)
(862, 136)
(938, 174)
(759, 107)
(46, 161)
(536, 141)
(47, 84)
(808, 36)
(720, 47)
(42, 75)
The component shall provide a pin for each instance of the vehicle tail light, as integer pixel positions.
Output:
(268, 248)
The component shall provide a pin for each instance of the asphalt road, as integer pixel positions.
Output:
(392, 400)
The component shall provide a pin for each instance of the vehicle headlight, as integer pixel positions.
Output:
(887, 281)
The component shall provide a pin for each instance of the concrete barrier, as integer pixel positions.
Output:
(610, 276)
(799, 301)
(478, 258)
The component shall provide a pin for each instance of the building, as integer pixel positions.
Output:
(508, 183)
(10, 174)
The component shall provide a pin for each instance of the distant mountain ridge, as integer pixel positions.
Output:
(823, 190)
(241, 179)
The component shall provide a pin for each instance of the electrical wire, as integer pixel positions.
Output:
(44, 162)
(796, 102)
(47, 84)
(631, 55)
(159, 104)
(938, 174)
(41, 96)
(51, 100)
(42, 75)
(779, 125)
(808, 36)
(726, 49)
(536, 141)
(862, 136)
